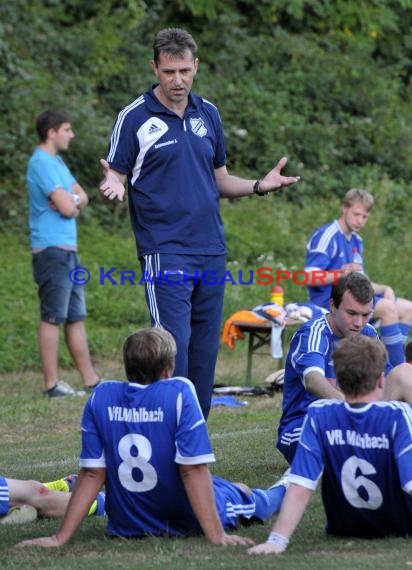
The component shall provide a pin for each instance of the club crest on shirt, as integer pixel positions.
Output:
(198, 127)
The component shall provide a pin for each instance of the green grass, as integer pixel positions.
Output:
(40, 439)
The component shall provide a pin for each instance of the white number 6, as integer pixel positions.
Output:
(352, 483)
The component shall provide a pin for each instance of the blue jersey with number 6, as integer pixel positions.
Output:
(140, 434)
(365, 454)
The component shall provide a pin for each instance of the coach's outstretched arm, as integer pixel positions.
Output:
(231, 186)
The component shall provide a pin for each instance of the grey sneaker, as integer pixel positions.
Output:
(19, 515)
(62, 389)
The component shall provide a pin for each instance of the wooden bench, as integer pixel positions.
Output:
(259, 335)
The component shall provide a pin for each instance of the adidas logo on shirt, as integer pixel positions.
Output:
(151, 131)
(154, 129)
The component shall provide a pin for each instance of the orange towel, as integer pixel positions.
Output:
(231, 332)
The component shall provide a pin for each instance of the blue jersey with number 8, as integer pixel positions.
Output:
(140, 434)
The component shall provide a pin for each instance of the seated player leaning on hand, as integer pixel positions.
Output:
(361, 447)
(309, 373)
(338, 246)
(147, 441)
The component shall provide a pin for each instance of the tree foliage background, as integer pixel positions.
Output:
(325, 82)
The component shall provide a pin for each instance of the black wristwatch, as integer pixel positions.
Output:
(257, 190)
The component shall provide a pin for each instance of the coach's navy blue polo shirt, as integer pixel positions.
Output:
(170, 163)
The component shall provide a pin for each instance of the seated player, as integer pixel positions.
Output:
(146, 440)
(338, 246)
(360, 447)
(309, 373)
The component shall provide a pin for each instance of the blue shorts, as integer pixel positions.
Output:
(288, 438)
(60, 300)
(4, 497)
(232, 501)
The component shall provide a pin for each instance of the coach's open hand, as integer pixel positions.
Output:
(111, 186)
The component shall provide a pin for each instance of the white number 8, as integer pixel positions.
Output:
(140, 461)
(351, 484)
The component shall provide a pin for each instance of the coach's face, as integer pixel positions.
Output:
(350, 317)
(175, 75)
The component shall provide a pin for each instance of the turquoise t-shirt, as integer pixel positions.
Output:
(48, 227)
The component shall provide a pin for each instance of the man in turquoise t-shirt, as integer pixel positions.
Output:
(55, 200)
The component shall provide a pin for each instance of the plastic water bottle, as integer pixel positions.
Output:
(277, 295)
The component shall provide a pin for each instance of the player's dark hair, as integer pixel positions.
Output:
(358, 361)
(357, 284)
(173, 41)
(147, 354)
(50, 119)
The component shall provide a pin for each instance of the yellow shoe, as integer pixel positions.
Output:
(98, 506)
(66, 484)
(59, 485)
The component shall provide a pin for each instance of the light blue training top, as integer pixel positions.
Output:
(48, 227)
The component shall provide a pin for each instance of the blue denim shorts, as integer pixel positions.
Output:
(4, 496)
(60, 300)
